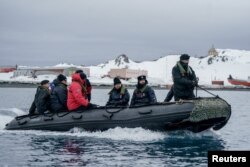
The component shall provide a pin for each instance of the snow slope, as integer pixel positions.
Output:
(234, 62)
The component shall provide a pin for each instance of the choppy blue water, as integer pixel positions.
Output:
(119, 146)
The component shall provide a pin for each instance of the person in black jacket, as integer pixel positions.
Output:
(143, 94)
(41, 102)
(58, 98)
(184, 79)
(119, 95)
(87, 85)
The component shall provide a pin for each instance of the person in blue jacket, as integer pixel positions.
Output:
(58, 98)
(143, 94)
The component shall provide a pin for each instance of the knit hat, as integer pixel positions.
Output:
(83, 76)
(141, 77)
(61, 78)
(44, 82)
(117, 81)
(184, 57)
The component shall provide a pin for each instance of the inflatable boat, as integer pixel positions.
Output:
(194, 115)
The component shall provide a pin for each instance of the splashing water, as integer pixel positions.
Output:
(7, 114)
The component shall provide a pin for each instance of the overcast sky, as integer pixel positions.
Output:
(47, 32)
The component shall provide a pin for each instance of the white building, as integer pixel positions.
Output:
(126, 73)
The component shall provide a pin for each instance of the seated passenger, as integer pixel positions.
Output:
(58, 98)
(87, 85)
(143, 94)
(41, 102)
(119, 95)
(77, 93)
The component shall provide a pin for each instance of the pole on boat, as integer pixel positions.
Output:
(196, 91)
(206, 91)
(197, 80)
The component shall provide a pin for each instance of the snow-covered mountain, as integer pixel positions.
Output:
(156, 69)
(228, 61)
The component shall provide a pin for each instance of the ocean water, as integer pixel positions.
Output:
(118, 146)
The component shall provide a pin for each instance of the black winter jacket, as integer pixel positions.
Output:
(184, 82)
(143, 96)
(58, 98)
(118, 97)
(41, 102)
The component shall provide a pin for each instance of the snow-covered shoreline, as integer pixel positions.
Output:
(34, 85)
(228, 61)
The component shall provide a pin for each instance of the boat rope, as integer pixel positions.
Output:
(48, 114)
(21, 117)
(119, 109)
(207, 91)
(62, 115)
(30, 116)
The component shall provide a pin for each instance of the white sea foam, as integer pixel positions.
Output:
(133, 134)
(18, 111)
(12, 111)
(126, 134)
(129, 134)
(4, 120)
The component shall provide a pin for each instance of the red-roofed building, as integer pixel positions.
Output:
(7, 69)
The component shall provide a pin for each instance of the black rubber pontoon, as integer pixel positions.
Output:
(194, 115)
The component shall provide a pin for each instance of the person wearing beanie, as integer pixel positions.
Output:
(62, 78)
(184, 57)
(58, 98)
(77, 94)
(143, 94)
(119, 95)
(88, 85)
(117, 81)
(41, 101)
(184, 79)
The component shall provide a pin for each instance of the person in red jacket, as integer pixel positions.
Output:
(77, 93)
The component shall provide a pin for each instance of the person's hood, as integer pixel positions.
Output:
(76, 77)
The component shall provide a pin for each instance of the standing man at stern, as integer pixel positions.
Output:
(184, 79)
